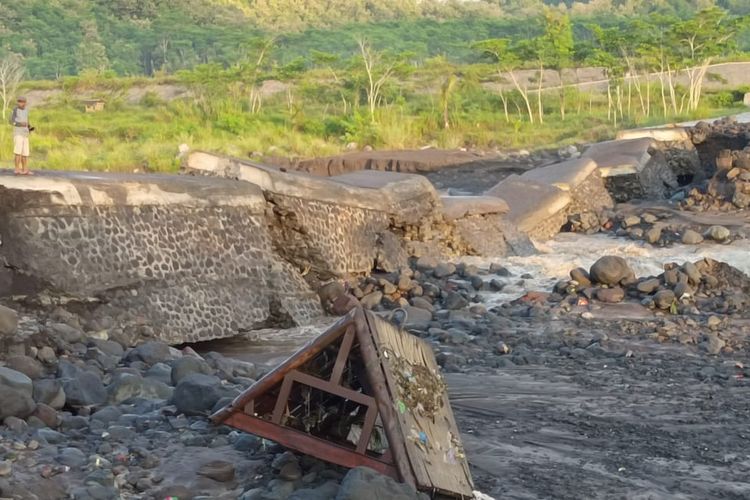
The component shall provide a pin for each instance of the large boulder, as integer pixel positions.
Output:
(16, 394)
(188, 365)
(84, 388)
(363, 483)
(128, 386)
(610, 270)
(49, 392)
(196, 394)
(26, 365)
(8, 321)
(150, 353)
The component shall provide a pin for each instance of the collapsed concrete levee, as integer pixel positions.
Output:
(355, 222)
(541, 199)
(190, 259)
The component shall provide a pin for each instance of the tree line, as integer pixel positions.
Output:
(57, 38)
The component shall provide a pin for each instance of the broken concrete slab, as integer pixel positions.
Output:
(620, 157)
(662, 134)
(538, 210)
(566, 175)
(634, 168)
(382, 191)
(458, 207)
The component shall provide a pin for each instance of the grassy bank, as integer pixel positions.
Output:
(303, 123)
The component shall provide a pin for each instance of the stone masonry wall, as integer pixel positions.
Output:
(195, 273)
(330, 239)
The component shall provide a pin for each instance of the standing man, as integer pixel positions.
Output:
(21, 130)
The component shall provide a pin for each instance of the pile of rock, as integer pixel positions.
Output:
(649, 226)
(424, 290)
(86, 417)
(706, 286)
(728, 189)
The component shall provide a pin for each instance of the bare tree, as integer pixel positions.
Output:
(379, 72)
(11, 75)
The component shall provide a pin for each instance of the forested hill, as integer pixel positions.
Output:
(137, 37)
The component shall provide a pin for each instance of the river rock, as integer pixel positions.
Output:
(372, 300)
(422, 303)
(49, 392)
(16, 394)
(218, 470)
(692, 272)
(611, 295)
(581, 276)
(46, 355)
(690, 237)
(72, 457)
(610, 270)
(48, 415)
(196, 394)
(68, 334)
(363, 483)
(648, 286)
(713, 344)
(718, 233)
(84, 388)
(417, 318)
(325, 491)
(128, 386)
(653, 235)
(631, 220)
(664, 299)
(444, 269)
(26, 365)
(290, 471)
(227, 368)
(8, 321)
(161, 372)
(188, 365)
(151, 352)
(108, 347)
(455, 301)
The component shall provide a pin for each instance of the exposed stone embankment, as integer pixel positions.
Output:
(168, 247)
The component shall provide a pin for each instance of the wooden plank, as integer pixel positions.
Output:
(431, 438)
(364, 438)
(303, 355)
(388, 415)
(324, 385)
(310, 445)
(283, 399)
(343, 355)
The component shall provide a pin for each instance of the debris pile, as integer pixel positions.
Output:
(652, 226)
(85, 416)
(706, 286)
(728, 189)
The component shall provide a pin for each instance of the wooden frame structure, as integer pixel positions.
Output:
(423, 450)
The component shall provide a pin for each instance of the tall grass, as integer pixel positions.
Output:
(146, 136)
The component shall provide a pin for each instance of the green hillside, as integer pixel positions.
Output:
(143, 37)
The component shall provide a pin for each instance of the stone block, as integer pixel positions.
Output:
(566, 175)
(626, 157)
(458, 207)
(532, 204)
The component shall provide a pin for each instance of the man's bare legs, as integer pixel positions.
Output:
(22, 165)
